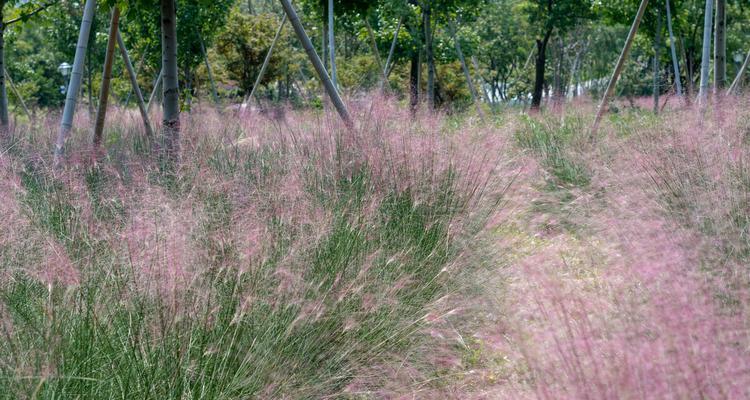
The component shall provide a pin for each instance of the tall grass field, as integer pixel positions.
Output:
(287, 255)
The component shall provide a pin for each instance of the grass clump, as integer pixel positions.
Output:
(283, 270)
(553, 141)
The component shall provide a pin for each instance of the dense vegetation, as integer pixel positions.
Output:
(374, 199)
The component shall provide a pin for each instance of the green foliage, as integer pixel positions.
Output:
(555, 15)
(243, 44)
(197, 20)
(501, 44)
(501, 34)
(452, 87)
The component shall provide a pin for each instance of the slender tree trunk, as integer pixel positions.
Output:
(376, 53)
(541, 64)
(188, 84)
(427, 16)
(264, 66)
(720, 46)
(90, 85)
(657, 65)
(90, 70)
(559, 91)
(4, 118)
(324, 42)
(575, 69)
(154, 91)
(689, 88)
(75, 81)
(170, 84)
(415, 62)
(332, 44)
(706, 55)
(420, 74)
(134, 83)
(214, 94)
(137, 72)
(467, 74)
(287, 86)
(740, 74)
(618, 68)
(675, 60)
(17, 94)
(387, 67)
(414, 82)
(481, 79)
(101, 112)
(338, 103)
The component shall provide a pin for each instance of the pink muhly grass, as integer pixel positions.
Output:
(158, 248)
(255, 199)
(649, 329)
(635, 307)
(57, 267)
(23, 242)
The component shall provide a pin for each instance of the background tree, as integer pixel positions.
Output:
(503, 47)
(243, 46)
(547, 17)
(15, 14)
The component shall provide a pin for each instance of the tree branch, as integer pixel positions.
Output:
(31, 14)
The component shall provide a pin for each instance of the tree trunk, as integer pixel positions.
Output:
(720, 46)
(706, 55)
(420, 73)
(332, 44)
(134, 83)
(317, 64)
(618, 68)
(170, 84)
(376, 52)
(576, 68)
(75, 81)
(675, 60)
(263, 67)
(101, 112)
(154, 91)
(657, 66)
(137, 72)
(740, 74)
(559, 91)
(214, 94)
(4, 118)
(467, 74)
(414, 82)
(17, 94)
(188, 85)
(387, 67)
(89, 70)
(689, 88)
(427, 17)
(324, 44)
(481, 79)
(541, 63)
(90, 86)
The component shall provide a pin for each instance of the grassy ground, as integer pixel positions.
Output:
(623, 262)
(436, 257)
